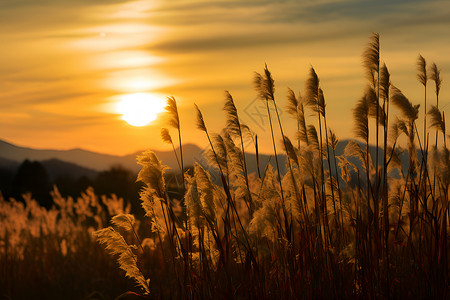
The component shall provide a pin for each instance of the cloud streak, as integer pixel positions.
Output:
(76, 55)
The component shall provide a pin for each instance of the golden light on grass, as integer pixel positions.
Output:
(139, 109)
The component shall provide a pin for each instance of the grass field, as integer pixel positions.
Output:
(359, 225)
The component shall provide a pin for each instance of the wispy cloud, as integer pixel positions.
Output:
(64, 55)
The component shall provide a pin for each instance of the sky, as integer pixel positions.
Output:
(66, 64)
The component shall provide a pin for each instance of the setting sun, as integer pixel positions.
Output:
(199, 149)
(140, 109)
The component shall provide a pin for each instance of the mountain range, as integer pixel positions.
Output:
(12, 155)
(79, 162)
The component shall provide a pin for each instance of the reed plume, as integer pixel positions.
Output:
(152, 172)
(385, 84)
(116, 246)
(235, 129)
(360, 115)
(316, 102)
(172, 108)
(165, 136)
(436, 77)
(174, 121)
(371, 59)
(422, 70)
(410, 111)
(312, 91)
(230, 202)
(290, 150)
(264, 86)
(293, 102)
(422, 76)
(437, 119)
(125, 221)
(292, 109)
(200, 122)
(312, 137)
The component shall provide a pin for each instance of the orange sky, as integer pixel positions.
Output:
(64, 65)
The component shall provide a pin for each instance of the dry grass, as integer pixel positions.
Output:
(333, 226)
(51, 254)
(328, 228)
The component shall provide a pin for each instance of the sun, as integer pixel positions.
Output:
(139, 109)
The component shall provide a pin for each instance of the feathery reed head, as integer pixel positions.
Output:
(296, 110)
(292, 107)
(332, 139)
(247, 132)
(360, 114)
(372, 101)
(264, 85)
(385, 82)
(172, 109)
(206, 189)
(290, 150)
(200, 122)
(397, 128)
(269, 82)
(220, 150)
(422, 70)
(437, 120)
(436, 77)
(312, 136)
(371, 57)
(409, 110)
(303, 134)
(152, 172)
(312, 89)
(321, 103)
(193, 203)
(233, 124)
(125, 221)
(165, 136)
(116, 245)
(258, 83)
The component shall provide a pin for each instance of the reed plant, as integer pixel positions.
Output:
(354, 223)
(50, 253)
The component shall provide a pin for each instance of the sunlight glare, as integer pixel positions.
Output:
(139, 109)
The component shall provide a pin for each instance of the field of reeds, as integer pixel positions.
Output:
(50, 253)
(370, 223)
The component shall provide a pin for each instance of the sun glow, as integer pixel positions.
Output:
(139, 109)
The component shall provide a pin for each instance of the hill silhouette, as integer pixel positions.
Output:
(10, 153)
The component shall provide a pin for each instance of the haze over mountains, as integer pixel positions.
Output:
(72, 171)
(87, 163)
(10, 155)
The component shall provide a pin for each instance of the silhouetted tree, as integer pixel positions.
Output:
(6, 178)
(32, 177)
(120, 181)
(69, 185)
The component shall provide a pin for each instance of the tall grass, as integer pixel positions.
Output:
(333, 226)
(50, 253)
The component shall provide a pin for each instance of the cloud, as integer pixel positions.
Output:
(286, 12)
(60, 56)
(226, 25)
(44, 97)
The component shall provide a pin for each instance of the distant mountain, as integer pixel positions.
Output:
(11, 153)
(8, 164)
(58, 168)
(83, 162)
